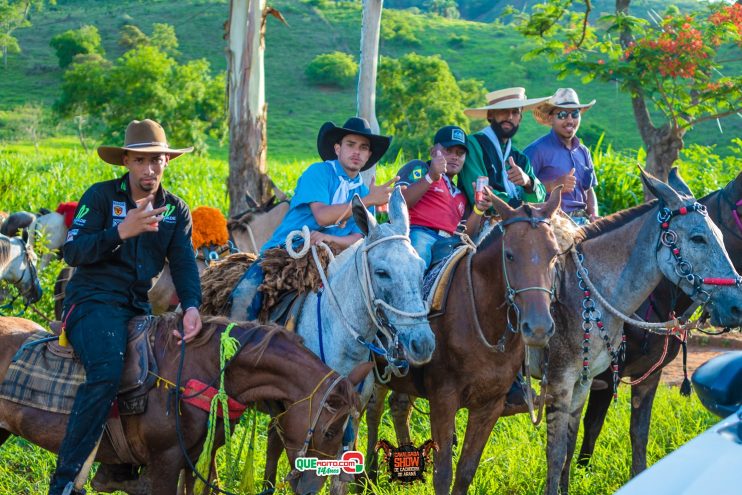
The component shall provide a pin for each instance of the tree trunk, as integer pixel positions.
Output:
(245, 34)
(366, 100)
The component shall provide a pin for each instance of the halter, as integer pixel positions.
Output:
(510, 293)
(683, 267)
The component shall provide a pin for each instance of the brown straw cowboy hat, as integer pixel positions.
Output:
(146, 136)
(503, 99)
(330, 134)
(563, 98)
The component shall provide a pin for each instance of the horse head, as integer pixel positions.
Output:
(690, 251)
(336, 400)
(15, 222)
(392, 279)
(18, 265)
(528, 262)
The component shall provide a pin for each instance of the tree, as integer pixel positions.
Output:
(444, 8)
(417, 96)
(85, 40)
(672, 68)
(332, 69)
(14, 14)
(369, 60)
(130, 36)
(145, 82)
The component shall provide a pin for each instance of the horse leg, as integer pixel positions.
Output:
(4, 435)
(443, 409)
(400, 405)
(169, 464)
(598, 403)
(573, 426)
(374, 410)
(272, 455)
(642, 398)
(557, 419)
(478, 429)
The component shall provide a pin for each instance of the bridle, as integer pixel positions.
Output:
(510, 292)
(312, 421)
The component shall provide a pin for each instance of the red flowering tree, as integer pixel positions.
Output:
(672, 67)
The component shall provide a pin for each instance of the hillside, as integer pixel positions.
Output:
(490, 53)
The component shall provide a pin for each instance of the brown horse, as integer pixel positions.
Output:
(512, 272)
(645, 350)
(253, 228)
(271, 365)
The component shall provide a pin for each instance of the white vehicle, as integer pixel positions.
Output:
(711, 463)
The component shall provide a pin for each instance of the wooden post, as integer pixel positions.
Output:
(369, 60)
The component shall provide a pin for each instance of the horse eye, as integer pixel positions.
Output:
(329, 434)
(698, 239)
(380, 272)
(509, 256)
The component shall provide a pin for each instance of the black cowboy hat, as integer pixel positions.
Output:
(330, 134)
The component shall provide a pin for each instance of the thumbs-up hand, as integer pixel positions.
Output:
(516, 175)
(437, 163)
(569, 181)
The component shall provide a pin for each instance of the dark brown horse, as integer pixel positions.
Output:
(467, 369)
(645, 350)
(271, 365)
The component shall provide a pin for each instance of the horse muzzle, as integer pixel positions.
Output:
(418, 343)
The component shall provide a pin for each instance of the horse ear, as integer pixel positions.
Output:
(359, 373)
(251, 203)
(24, 235)
(399, 215)
(500, 206)
(660, 190)
(554, 202)
(363, 218)
(677, 182)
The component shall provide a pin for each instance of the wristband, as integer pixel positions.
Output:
(429, 179)
(478, 211)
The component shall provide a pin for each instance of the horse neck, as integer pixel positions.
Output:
(622, 263)
(341, 351)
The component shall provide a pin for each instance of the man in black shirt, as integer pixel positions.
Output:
(123, 231)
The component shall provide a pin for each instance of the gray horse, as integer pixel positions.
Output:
(626, 254)
(379, 274)
(18, 266)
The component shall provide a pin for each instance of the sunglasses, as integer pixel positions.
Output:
(562, 114)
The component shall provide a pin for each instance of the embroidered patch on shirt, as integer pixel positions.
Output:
(169, 214)
(119, 209)
(416, 174)
(71, 235)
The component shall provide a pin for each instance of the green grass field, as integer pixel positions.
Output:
(514, 459)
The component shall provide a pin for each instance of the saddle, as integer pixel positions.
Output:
(46, 376)
(437, 282)
(287, 310)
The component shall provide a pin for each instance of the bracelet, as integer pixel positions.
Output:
(478, 211)
(428, 178)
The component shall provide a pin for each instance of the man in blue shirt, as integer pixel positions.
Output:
(558, 158)
(322, 200)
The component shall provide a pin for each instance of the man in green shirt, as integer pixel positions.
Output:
(492, 147)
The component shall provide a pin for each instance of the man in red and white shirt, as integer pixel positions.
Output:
(436, 205)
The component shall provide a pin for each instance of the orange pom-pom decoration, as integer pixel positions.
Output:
(209, 227)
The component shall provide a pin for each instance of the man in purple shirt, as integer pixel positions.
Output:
(558, 158)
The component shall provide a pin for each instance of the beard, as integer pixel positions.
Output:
(502, 133)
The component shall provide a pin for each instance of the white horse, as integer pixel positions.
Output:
(373, 287)
(18, 266)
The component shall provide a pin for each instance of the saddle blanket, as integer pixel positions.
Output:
(41, 379)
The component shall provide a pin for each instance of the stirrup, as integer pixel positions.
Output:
(70, 489)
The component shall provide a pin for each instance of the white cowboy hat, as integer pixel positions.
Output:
(503, 99)
(563, 98)
(146, 136)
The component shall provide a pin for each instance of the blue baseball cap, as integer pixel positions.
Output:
(450, 135)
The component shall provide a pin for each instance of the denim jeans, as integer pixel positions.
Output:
(422, 239)
(98, 333)
(247, 300)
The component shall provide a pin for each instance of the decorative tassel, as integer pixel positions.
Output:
(63, 340)
(203, 465)
(685, 387)
(247, 484)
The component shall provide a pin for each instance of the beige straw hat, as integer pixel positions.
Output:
(504, 99)
(563, 98)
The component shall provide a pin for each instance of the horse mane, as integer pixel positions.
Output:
(495, 233)
(5, 245)
(262, 334)
(612, 222)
